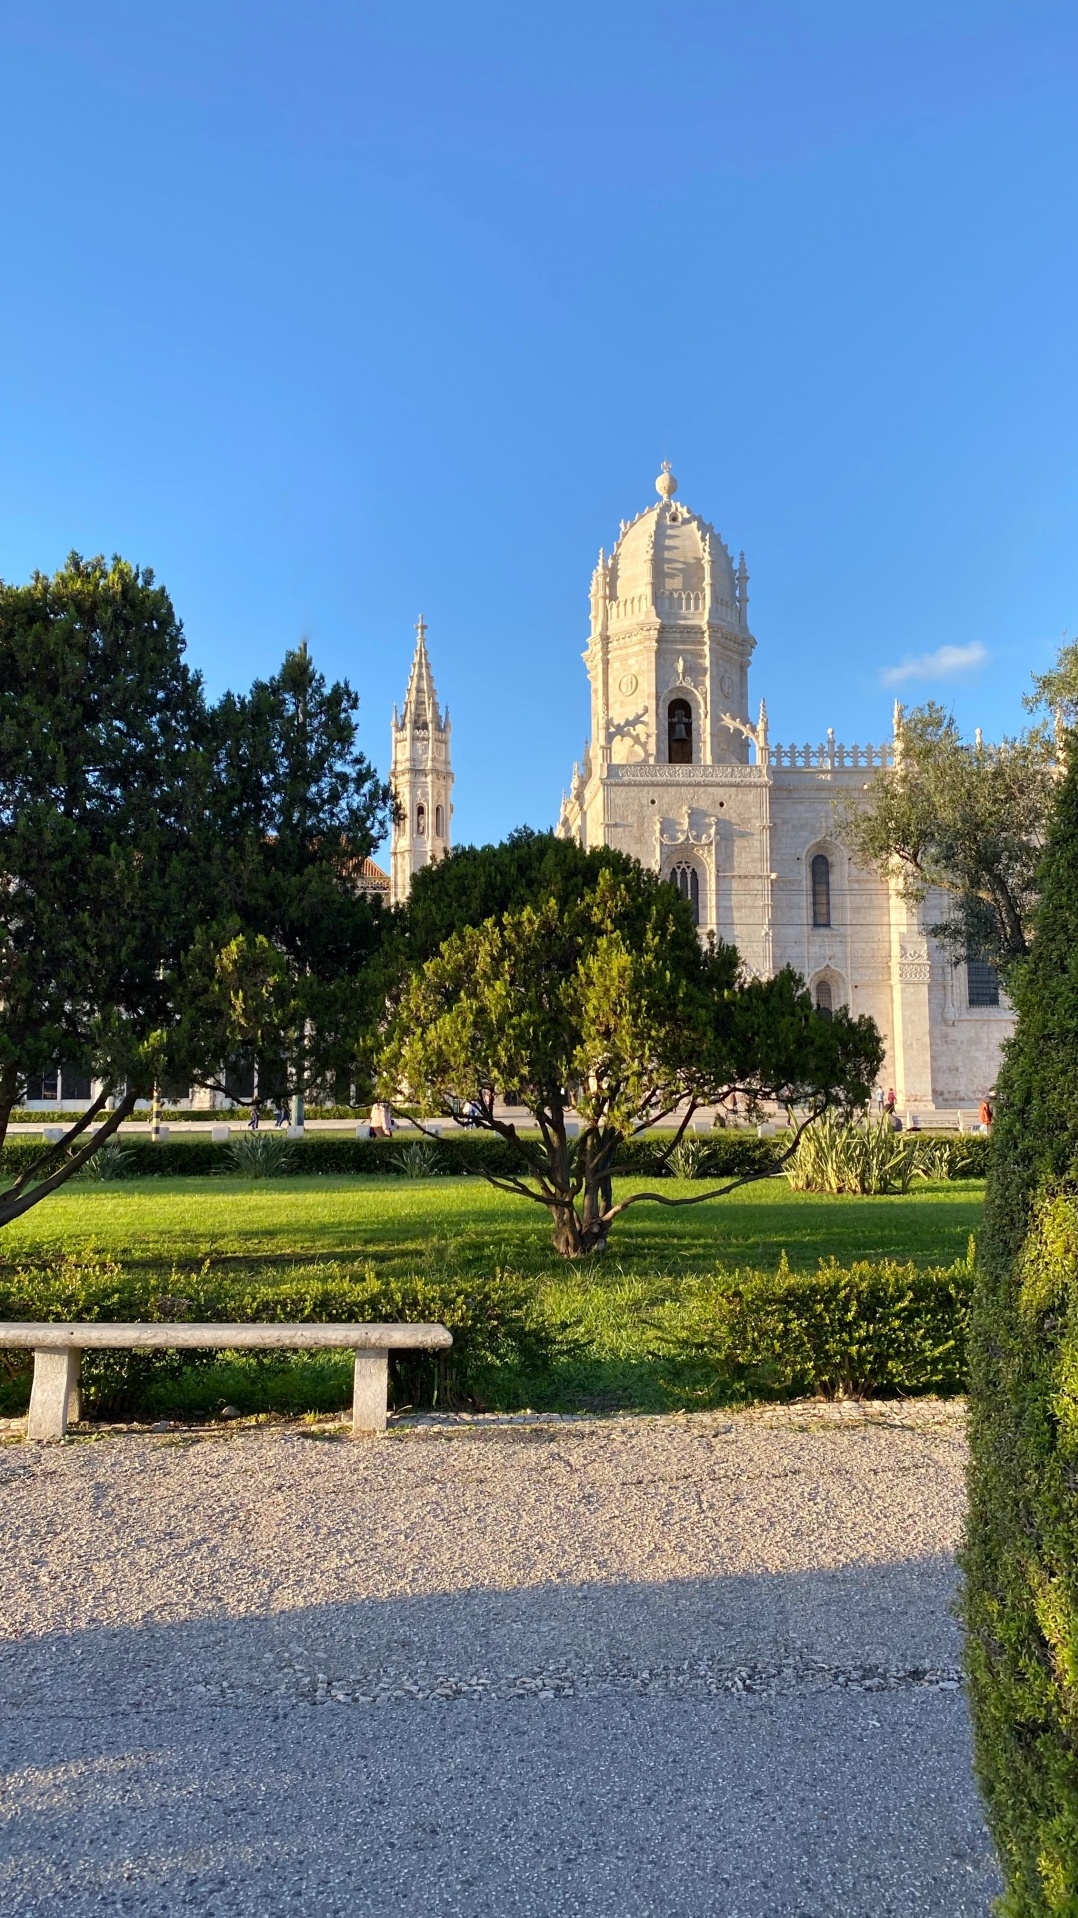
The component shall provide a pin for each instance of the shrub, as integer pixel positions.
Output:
(1021, 1552)
(729, 1155)
(260, 1155)
(691, 1159)
(494, 1319)
(870, 1329)
(420, 1160)
(834, 1156)
(110, 1161)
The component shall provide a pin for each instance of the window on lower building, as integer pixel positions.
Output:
(982, 982)
(45, 1085)
(240, 1077)
(687, 880)
(821, 890)
(74, 1083)
(824, 1005)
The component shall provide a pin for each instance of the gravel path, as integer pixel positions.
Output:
(660, 1665)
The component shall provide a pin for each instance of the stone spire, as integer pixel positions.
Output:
(421, 775)
(421, 700)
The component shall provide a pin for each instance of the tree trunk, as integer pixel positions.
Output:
(568, 1239)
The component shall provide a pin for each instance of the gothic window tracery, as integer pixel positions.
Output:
(824, 1005)
(687, 880)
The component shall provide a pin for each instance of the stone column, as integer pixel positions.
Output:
(911, 971)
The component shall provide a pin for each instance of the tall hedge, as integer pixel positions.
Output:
(1021, 1553)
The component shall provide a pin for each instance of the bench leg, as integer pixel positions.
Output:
(370, 1401)
(54, 1396)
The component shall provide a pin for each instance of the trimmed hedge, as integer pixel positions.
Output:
(494, 1320)
(730, 1153)
(873, 1330)
(1021, 1553)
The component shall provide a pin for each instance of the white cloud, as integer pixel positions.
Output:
(945, 663)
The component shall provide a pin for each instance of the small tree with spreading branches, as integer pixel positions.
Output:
(608, 1006)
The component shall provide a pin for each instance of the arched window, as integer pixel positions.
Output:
(823, 999)
(821, 890)
(420, 821)
(679, 733)
(687, 880)
(439, 822)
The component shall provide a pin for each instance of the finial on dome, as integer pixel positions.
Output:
(666, 484)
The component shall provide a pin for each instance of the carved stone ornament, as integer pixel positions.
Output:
(670, 834)
(733, 775)
(684, 676)
(628, 683)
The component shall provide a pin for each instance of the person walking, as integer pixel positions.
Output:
(255, 1119)
(280, 1112)
(987, 1114)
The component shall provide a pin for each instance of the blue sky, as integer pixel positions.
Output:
(335, 314)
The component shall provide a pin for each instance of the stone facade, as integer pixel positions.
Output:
(421, 775)
(678, 775)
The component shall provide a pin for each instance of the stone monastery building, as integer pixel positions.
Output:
(677, 774)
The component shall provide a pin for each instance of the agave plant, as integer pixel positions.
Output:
(110, 1161)
(420, 1160)
(691, 1159)
(835, 1156)
(261, 1155)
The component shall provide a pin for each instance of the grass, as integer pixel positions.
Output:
(616, 1305)
(397, 1224)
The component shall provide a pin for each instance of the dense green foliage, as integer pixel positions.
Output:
(968, 817)
(608, 1005)
(476, 883)
(837, 1156)
(284, 964)
(1021, 1555)
(870, 1329)
(102, 817)
(179, 882)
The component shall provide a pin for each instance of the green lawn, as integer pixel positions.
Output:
(624, 1310)
(399, 1224)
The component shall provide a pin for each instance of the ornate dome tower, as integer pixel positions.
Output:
(421, 774)
(669, 650)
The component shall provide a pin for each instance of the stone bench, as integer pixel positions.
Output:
(58, 1349)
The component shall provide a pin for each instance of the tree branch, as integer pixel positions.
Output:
(13, 1206)
(60, 1146)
